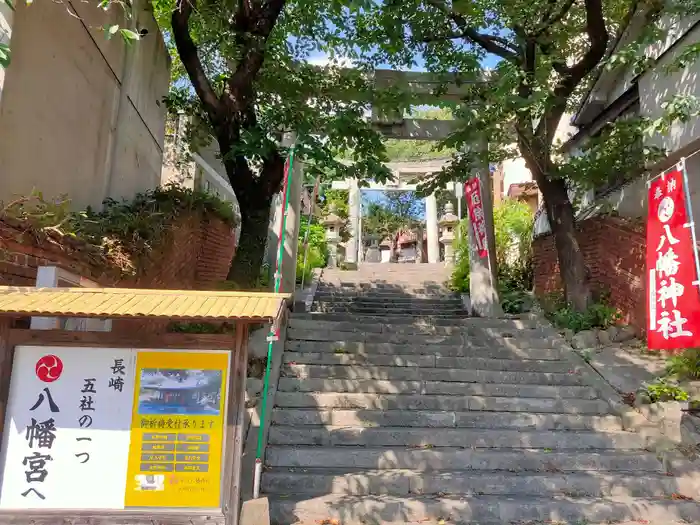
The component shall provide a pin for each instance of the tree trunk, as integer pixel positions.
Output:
(248, 261)
(560, 212)
(572, 264)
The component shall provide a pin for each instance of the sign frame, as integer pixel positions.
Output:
(233, 420)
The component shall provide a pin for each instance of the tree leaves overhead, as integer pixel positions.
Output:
(531, 61)
(325, 106)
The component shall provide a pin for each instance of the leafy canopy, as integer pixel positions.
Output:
(325, 106)
(523, 65)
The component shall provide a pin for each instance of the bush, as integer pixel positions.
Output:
(513, 222)
(685, 365)
(662, 390)
(123, 231)
(317, 255)
(459, 280)
(563, 315)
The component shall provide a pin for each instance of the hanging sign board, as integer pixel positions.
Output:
(106, 428)
(673, 309)
(472, 194)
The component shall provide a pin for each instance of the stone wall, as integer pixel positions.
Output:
(614, 249)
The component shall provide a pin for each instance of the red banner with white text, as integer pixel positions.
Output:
(673, 298)
(472, 194)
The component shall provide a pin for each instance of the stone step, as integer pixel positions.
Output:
(337, 436)
(375, 325)
(467, 349)
(514, 460)
(331, 335)
(292, 384)
(445, 419)
(440, 402)
(506, 323)
(476, 510)
(445, 313)
(427, 361)
(598, 484)
(431, 374)
(395, 299)
(518, 340)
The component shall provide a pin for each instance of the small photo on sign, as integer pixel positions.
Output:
(168, 391)
(150, 482)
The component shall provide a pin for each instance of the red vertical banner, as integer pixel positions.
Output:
(472, 194)
(673, 303)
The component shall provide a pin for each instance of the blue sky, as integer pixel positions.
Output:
(488, 62)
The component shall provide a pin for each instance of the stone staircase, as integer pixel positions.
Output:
(451, 420)
(389, 290)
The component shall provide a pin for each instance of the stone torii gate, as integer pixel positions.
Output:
(432, 89)
(406, 178)
(428, 89)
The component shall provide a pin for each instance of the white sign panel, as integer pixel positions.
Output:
(67, 428)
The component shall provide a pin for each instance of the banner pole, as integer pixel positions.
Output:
(273, 336)
(691, 221)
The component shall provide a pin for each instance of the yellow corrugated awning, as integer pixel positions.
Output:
(132, 303)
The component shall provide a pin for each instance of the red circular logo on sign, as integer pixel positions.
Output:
(49, 368)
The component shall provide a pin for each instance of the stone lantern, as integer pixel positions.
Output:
(448, 225)
(373, 251)
(333, 224)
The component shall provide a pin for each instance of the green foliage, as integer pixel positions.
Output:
(685, 365)
(459, 281)
(663, 390)
(563, 315)
(336, 199)
(317, 251)
(124, 230)
(5, 57)
(399, 210)
(513, 222)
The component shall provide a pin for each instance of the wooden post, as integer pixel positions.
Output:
(6, 354)
(234, 426)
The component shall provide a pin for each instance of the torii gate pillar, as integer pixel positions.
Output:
(483, 276)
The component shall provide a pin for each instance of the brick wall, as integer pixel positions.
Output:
(197, 254)
(615, 254)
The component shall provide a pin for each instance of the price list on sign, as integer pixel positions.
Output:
(673, 313)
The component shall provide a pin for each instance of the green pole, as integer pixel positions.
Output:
(272, 335)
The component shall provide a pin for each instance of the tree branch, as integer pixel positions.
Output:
(187, 50)
(572, 76)
(492, 44)
(598, 35)
(254, 28)
(551, 20)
